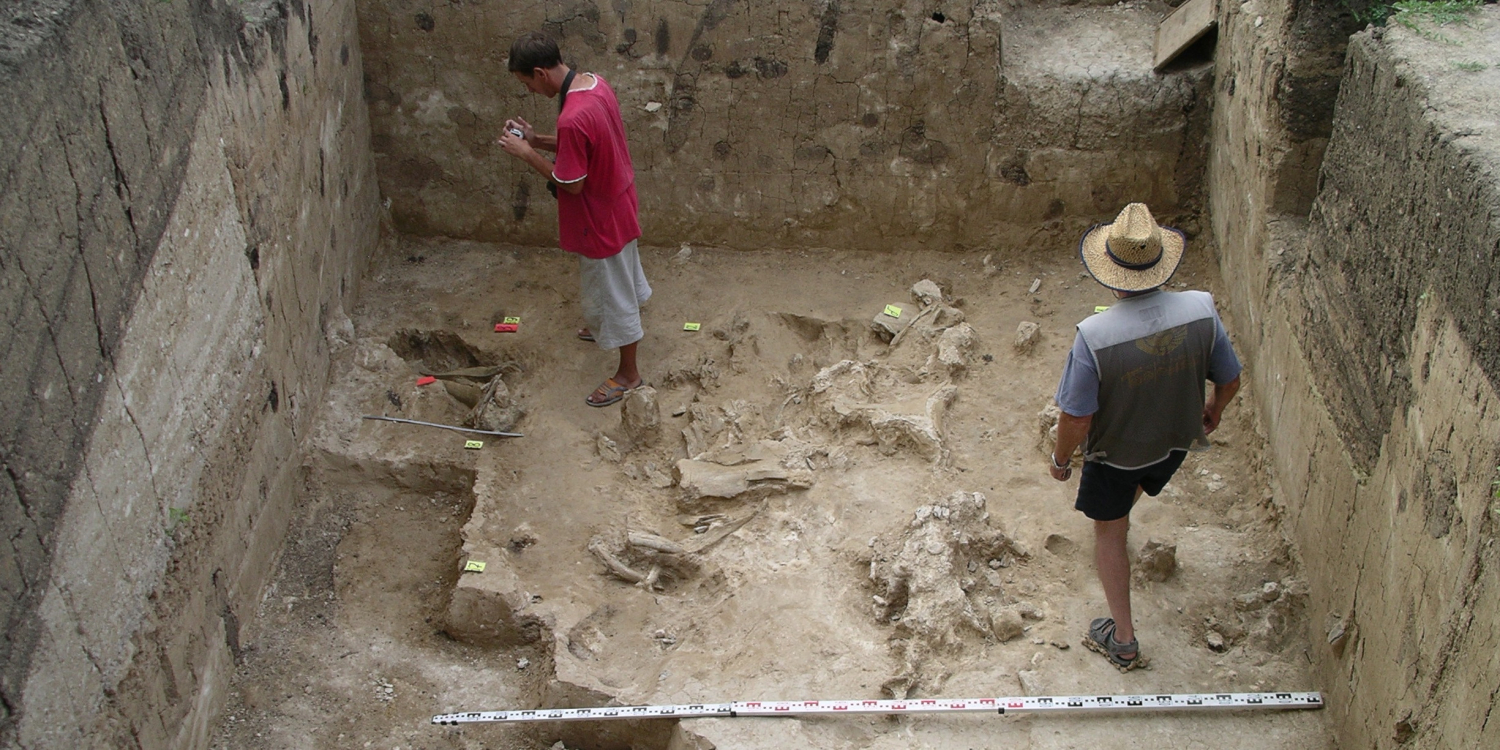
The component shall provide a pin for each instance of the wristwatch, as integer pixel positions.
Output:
(1057, 465)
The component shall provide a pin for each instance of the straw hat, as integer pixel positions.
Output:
(1132, 254)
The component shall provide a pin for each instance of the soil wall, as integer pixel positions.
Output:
(186, 202)
(1373, 303)
(859, 124)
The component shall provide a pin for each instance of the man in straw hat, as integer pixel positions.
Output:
(1132, 395)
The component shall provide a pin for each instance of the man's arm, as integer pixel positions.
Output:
(1213, 406)
(522, 149)
(1078, 390)
(1222, 361)
(529, 134)
(1071, 432)
(569, 161)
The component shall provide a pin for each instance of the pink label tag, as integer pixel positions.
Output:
(426, 380)
(506, 328)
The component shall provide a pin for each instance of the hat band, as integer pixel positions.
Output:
(1131, 266)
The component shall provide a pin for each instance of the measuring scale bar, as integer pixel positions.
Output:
(1001, 706)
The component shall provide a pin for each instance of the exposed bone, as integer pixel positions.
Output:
(651, 541)
(483, 373)
(913, 324)
(649, 582)
(618, 568)
(710, 539)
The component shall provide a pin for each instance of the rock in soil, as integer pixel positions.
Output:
(1158, 561)
(1027, 334)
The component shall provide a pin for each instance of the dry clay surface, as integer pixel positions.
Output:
(799, 507)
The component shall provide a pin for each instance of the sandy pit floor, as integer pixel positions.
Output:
(818, 513)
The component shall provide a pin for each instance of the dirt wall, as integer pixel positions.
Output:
(178, 233)
(84, 203)
(837, 123)
(1373, 335)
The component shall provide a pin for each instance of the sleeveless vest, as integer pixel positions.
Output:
(1152, 353)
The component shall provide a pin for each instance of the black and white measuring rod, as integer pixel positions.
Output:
(1002, 706)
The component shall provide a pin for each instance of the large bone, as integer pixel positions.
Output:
(647, 540)
(615, 565)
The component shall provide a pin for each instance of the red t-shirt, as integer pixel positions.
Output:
(601, 220)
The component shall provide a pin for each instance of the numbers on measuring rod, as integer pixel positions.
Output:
(1015, 705)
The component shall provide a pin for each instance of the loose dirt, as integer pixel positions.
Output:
(815, 512)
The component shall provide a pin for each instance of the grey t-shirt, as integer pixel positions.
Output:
(1152, 400)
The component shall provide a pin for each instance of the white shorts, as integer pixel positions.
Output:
(613, 290)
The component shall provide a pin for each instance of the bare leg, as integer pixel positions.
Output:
(627, 374)
(625, 378)
(1113, 564)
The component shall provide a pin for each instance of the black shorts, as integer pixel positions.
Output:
(1107, 494)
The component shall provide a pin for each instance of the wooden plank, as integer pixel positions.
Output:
(1186, 25)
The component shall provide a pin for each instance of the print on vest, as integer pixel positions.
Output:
(1164, 343)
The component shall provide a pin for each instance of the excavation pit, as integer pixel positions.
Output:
(808, 510)
(213, 267)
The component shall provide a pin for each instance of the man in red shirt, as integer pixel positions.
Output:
(596, 203)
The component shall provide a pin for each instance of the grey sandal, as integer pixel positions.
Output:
(1101, 639)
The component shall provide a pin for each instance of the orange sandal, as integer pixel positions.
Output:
(611, 392)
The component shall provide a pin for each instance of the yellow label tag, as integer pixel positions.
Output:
(510, 320)
(691, 326)
(473, 445)
(893, 311)
(473, 566)
(1100, 308)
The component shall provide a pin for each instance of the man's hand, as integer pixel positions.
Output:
(514, 145)
(1210, 419)
(1061, 475)
(1071, 432)
(524, 147)
(1213, 406)
(532, 138)
(525, 127)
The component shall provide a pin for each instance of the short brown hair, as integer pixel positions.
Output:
(533, 50)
